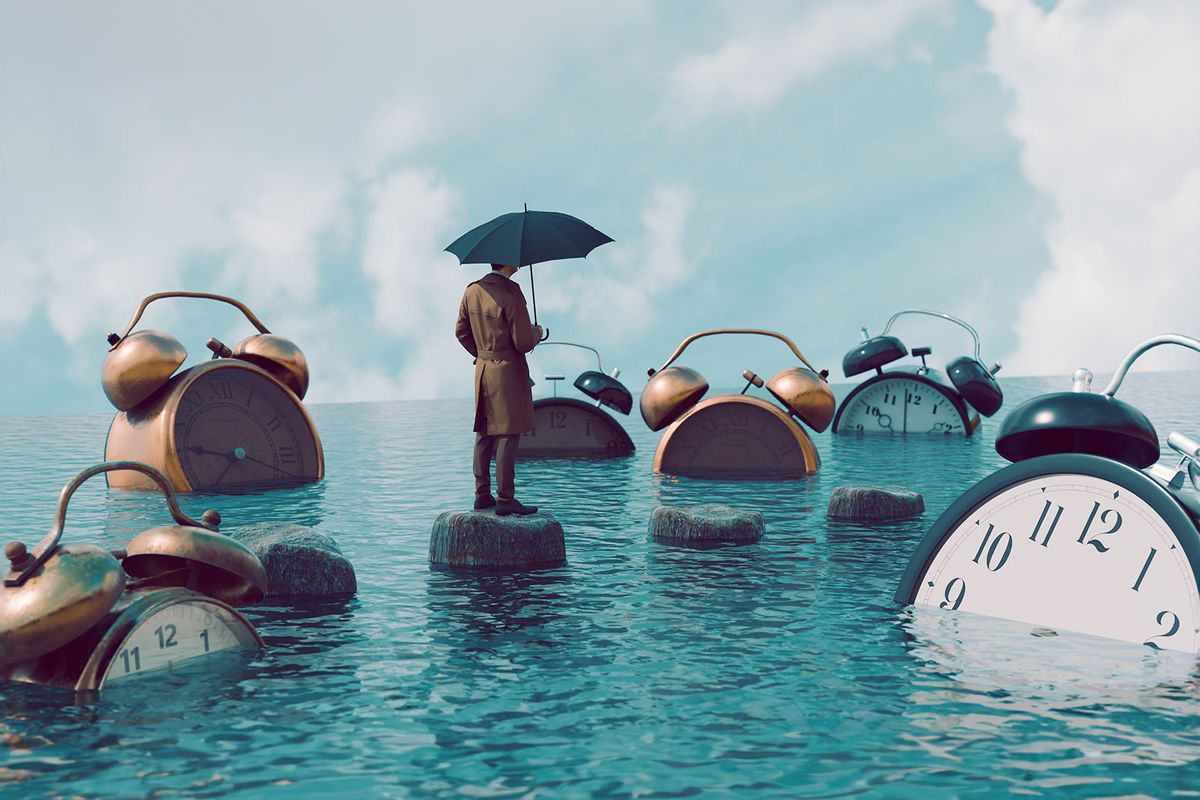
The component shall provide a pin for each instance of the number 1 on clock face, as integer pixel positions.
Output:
(1074, 552)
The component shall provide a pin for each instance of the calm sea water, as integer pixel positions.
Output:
(639, 669)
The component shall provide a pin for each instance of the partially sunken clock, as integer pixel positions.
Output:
(1085, 531)
(235, 421)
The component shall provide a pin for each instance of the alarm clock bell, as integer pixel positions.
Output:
(604, 389)
(1078, 422)
(278, 356)
(144, 361)
(669, 393)
(873, 353)
(805, 394)
(197, 558)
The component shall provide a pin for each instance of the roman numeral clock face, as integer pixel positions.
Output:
(1073, 552)
(236, 426)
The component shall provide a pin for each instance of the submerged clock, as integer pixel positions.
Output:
(565, 426)
(737, 435)
(1085, 532)
(77, 615)
(231, 422)
(911, 399)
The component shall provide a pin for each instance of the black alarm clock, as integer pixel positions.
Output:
(1084, 531)
(912, 399)
(567, 426)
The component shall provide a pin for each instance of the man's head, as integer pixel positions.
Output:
(505, 270)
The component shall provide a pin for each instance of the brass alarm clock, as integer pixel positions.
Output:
(911, 399)
(566, 426)
(1084, 532)
(737, 436)
(234, 421)
(77, 615)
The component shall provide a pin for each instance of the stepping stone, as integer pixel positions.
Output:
(705, 523)
(482, 539)
(300, 561)
(874, 502)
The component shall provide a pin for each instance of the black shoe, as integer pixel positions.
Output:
(484, 501)
(514, 506)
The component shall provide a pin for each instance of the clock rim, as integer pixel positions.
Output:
(812, 457)
(95, 672)
(969, 423)
(1161, 501)
(191, 375)
(626, 443)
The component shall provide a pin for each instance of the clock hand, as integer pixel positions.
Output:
(205, 451)
(265, 464)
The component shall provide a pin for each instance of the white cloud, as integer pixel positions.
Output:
(755, 69)
(1106, 105)
(614, 294)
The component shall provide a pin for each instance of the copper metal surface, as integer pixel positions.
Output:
(65, 595)
(669, 393)
(139, 364)
(278, 356)
(149, 434)
(806, 394)
(207, 561)
(736, 435)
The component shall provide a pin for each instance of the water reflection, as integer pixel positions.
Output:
(1070, 699)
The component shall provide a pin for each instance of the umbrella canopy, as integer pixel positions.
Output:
(527, 237)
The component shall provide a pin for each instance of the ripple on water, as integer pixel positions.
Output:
(780, 667)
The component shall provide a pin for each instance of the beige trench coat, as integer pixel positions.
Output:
(494, 327)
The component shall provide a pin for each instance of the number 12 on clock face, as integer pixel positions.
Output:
(1075, 552)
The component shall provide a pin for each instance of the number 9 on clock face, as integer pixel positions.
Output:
(1072, 542)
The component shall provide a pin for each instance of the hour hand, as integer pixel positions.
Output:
(195, 448)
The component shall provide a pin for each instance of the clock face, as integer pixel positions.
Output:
(566, 425)
(1070, 551)
(171, 636)
(736, 435)
(896, 404)
(235, 426)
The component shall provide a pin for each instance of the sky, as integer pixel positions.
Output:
(805, 167)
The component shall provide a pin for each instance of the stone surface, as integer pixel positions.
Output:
(300, 561)
(874, 502)
(706, 523)
(482, 539)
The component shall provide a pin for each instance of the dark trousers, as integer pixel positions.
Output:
(505, 450)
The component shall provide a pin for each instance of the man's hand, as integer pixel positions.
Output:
(538, 333)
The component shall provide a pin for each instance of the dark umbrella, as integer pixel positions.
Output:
(525, 238)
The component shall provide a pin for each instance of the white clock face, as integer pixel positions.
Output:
(170, 636)
(1073, 552)
(900, 405)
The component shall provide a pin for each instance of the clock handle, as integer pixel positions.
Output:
(49, 543)
(1137, 352)
(115, 340)
(599, 364)
(974, 333)
(752, 331)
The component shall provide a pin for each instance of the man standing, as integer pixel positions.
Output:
(494, 327)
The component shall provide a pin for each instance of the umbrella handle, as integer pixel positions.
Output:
(545, 335)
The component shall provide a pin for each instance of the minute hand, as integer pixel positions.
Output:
(265, 464)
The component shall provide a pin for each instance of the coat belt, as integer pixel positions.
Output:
(497, 355)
